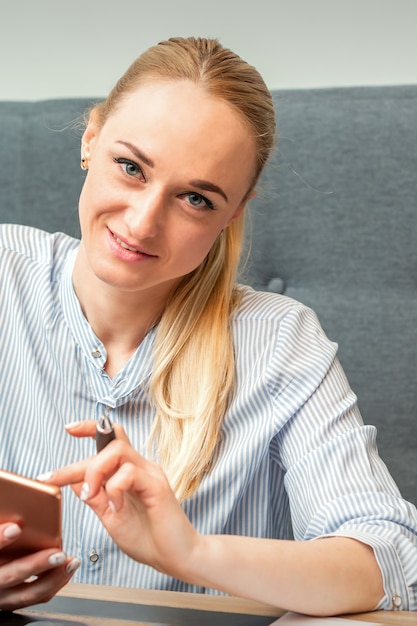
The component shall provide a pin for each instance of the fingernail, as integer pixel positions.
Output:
(71, 425)
(58, 558)
(85, 492)
(45, 476)
(112, 507)
(73, 566)
(12, 531)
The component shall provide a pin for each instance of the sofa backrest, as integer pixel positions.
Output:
(334, 225)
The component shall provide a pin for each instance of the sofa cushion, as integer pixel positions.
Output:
(333, 225)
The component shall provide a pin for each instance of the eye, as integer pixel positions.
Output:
(130, 167)
(199, 201)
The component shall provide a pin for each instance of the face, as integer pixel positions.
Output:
(168, 171)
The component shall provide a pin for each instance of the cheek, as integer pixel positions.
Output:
(193, 246)
(82, 204)
(93, 198)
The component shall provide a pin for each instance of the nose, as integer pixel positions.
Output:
(144, 213)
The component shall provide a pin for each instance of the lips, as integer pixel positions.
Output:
(126, 246)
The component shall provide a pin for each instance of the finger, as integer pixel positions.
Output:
(128, 477)
(148, 482)
(95, 470)
(67, 475)
(17, 570)
(101, 467)
(74, 473)
(87, 428)
(42, 589)
(8, 533)
(84, 428)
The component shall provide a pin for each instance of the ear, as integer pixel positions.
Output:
(90, 135)
(251, 194)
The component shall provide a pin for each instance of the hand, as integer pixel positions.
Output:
(133, 499)
(48, 571)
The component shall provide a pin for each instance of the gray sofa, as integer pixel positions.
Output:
(334, 225)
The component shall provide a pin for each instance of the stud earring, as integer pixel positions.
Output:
(84, 164)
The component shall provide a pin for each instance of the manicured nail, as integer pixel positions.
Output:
(45, 476)
(12, 531)
(73, 566)
(58, 558)
(85, 492)
(71, 425)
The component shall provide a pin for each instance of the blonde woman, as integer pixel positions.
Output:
(233, 417)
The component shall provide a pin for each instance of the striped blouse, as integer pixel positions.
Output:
(295, 457)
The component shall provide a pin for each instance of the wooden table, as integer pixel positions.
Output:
(389, 618)
(97, 605)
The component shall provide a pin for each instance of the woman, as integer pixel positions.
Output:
(234, 401)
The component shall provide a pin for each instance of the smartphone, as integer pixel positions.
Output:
(36, 508)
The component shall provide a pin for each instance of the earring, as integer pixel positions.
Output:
(84, 164)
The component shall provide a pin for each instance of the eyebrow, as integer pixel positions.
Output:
(203, 185)
(138, 153)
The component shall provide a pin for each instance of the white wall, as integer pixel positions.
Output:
(70, 48)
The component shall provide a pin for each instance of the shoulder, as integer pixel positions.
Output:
(284, 340)
(35, 246)
(279, 325)
(267, 306)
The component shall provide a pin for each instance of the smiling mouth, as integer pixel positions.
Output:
(137, 251)
(124, 245)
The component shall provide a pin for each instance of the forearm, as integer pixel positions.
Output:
(322, 577)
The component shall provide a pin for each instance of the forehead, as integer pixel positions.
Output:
(183, 117)
(169, 98)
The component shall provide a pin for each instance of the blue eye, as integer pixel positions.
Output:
(199, 201)
(130, 167)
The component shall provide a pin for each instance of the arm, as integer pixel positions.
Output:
(134, 501)
(305, 577)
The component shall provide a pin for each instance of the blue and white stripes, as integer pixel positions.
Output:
(292, 439)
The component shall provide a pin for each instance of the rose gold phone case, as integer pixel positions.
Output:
(36, 507)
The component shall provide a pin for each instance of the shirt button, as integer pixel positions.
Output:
(397, 602)
(96, 353)
(93, 556)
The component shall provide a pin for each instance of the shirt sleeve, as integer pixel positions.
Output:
(336, 482)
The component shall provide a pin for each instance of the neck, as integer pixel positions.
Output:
(120, 319)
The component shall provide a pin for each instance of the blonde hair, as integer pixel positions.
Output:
(194, 369)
